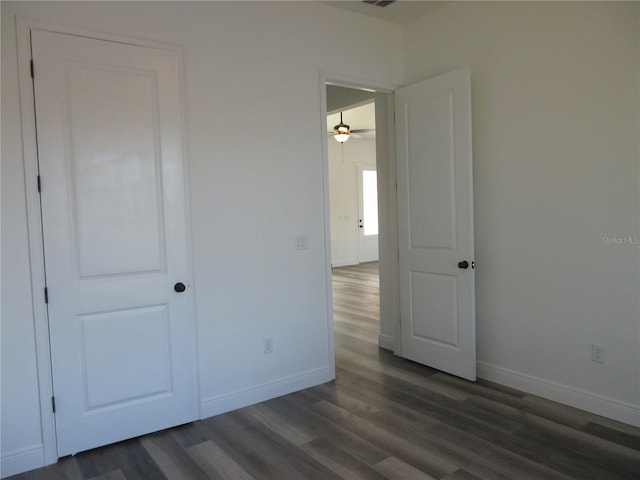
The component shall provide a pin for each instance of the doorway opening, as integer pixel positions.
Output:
(354, 222)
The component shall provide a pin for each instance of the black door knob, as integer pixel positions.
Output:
(179, 287)
(463, 265)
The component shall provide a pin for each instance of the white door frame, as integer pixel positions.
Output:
(34, 214)
(342, 80)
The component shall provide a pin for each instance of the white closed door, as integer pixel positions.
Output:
(109, 126)
(367, 213)
(435, 221)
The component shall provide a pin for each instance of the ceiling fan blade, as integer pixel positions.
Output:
(363, 130)
(352, 134)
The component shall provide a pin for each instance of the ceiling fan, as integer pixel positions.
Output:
(342, 132)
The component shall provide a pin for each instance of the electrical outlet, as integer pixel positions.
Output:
(597, 353)
(268, 345)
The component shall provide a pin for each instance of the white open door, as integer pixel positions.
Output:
(435, 221)
(367, 178)
(110, 152)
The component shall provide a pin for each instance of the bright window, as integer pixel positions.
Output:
(370, 202)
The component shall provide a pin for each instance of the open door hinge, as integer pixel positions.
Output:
(39, 185)
(53, 404)
(32, 69)
(46, 295)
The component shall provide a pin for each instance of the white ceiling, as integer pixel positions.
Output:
(398, 12)
(357, 118)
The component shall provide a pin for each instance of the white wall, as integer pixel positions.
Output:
(343, 183)
(252, 66)
(340, 98)
(555, 117)
(555, 120)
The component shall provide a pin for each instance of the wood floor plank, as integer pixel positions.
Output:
(174, 461)
(429, 403)
(130, 457)
(395, 469)
(115, 475)
(346, 439)
(280, 425)
(369, 338)
(629, 440)
(342, 399)
(388, 441)
(461, 475)
(571, 417)
(340, 461)
(480, 457)
(277, 458)
(67, 468)
(592, 445)
(563, 455)
(483, 458)
(419, 379)
(216, 463)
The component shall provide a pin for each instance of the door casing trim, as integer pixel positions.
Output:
(342, 80)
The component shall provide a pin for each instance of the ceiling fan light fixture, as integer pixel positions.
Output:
(341, 132)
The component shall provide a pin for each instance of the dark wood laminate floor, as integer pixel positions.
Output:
(382, 418)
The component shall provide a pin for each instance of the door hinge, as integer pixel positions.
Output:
(32, 69)
(39, 185)
(46, 295)
(53, 404)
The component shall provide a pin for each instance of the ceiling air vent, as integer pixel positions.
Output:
(379, 3)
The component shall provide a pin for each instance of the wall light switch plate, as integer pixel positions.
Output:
(597, 353)
(302, 242)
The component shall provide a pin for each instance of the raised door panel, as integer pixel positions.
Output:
(115, 170)
(432, 212)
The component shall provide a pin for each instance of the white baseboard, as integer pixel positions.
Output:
(22, 460)
(344, 263)
(386, 341)
(606, 407)
(243, 398)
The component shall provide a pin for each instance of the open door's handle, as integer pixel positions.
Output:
(464, 265)
(360, 224)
